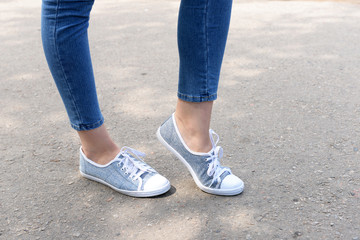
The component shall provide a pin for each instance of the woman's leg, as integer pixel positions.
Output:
(202, 32)
(65, 41)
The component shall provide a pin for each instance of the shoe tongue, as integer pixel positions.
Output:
(121, 158)
(212, 151)
(224, 174)
(144, 175)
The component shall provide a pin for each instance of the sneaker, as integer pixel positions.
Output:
(205, 168)
(126, 173)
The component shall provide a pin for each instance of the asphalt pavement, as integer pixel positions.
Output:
(287, 115)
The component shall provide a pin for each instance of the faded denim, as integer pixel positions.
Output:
(115, 175)
(111, 174)
(205, 168)
(197, 162)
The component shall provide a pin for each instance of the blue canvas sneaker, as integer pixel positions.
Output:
(126, 173)
(205, 168)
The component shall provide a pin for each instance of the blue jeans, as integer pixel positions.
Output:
(202, 31)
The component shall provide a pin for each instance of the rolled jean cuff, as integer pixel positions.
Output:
(85, 127)
(189, 98)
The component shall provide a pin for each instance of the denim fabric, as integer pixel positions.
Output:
(64, 26)
(112, 174)
(202, 32)
(197, 162)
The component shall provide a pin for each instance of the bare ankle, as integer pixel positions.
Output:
(101, 156)
(197, 145)
(197, 141)
(193, 121)
(98, 145)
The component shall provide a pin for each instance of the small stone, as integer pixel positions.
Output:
(77, 234)
(355, 238)
(297, 234)
(332, 224)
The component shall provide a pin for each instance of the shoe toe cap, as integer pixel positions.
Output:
(156, 182)
(232, 182)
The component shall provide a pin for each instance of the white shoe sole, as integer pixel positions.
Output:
(225, 192)
(151, 193)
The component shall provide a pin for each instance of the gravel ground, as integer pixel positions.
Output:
(287, 113)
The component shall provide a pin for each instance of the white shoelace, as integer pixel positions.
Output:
(215, 169)
(133, 163)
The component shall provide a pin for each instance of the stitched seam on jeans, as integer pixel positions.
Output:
(83, 127)
(196, 98)
(185, 95)
(60, 63)
(207, 46)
